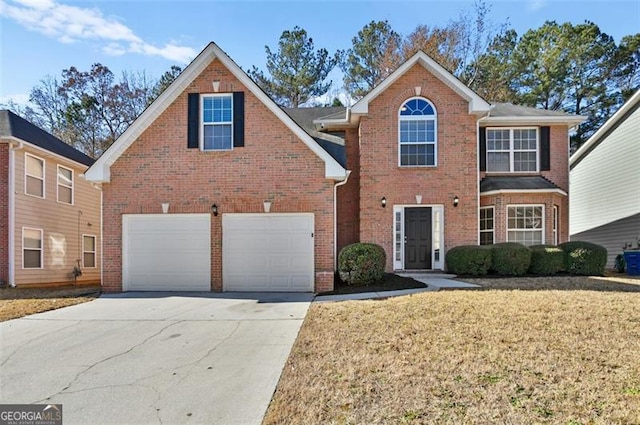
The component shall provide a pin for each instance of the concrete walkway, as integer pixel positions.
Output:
(153, 358)
(434, 282)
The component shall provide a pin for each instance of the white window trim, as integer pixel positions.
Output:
(493, 230)
(433, 117)
(556, 225)
(542, 225)
(94, 252)
(435, 265)
(58, 184)
(44, 176)
(202, 123)
(512, 150)
(33, 249)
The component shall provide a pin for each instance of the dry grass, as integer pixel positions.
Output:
(468, 357)
(19, 302)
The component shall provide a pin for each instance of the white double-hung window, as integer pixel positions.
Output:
(217, 122)
(512, 150)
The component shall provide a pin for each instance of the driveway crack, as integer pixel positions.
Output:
(106, 359)
(33, 339)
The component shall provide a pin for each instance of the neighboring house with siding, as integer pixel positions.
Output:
(49, 214)
(605, 183)
(215, 187)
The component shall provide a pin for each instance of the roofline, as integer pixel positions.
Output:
(477, 105)
(603, 131)
(506, 191)
(13, 139)
(569, 120)
(100, 171)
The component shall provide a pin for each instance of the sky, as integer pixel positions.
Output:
(40, 38)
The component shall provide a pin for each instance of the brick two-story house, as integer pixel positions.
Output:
(215, 187)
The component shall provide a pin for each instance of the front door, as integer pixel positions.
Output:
(417, 238)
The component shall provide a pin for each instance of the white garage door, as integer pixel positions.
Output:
(267, 252)
(166, 252)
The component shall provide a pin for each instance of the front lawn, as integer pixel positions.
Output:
(561, 356)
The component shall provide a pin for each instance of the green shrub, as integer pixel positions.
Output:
(468, 259)
(361, 263)
(619, 265)
(584, 258)
(546, 259)
(510, 258)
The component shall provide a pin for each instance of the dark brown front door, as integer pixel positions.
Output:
(417, 237)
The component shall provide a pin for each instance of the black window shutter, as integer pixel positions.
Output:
(193, 120)
(238, 119)
(483, 149)
(545, 149)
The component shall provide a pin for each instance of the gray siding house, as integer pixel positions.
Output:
(604, 183)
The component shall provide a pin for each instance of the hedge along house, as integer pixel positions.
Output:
(215, 187)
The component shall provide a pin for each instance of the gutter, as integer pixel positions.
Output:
(335, 219)
(13, 147)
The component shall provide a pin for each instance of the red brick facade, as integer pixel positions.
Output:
(455, 174)
(558, 174)
(274, 164)
(4, 211)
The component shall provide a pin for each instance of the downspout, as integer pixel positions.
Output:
(12, 211)
(335, 219)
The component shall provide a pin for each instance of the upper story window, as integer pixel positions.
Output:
(65, 185)
(512, 150)
(34, 176)
(217, 122)
(417, 122)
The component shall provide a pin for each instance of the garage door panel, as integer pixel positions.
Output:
(267, 252)
(168, 252)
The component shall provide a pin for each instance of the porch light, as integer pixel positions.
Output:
(267, 206)
(214, 210)
(456, 201)
(383, 202)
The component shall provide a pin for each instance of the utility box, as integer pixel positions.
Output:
(632, 260)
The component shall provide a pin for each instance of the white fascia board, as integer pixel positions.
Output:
(586, 147)
(477, 105)
(99, 172)
(569, 121)
(506, 191)
(45, 152)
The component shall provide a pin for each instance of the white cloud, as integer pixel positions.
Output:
(71, 24)
(536, 5)
(21, 99)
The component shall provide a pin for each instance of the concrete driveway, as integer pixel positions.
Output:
(153, 358)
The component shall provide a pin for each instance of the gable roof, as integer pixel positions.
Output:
(611, 124)
(100, 171)
(477, 105)
(14, 126)
(510, 114)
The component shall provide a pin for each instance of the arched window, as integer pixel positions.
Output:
(418, 135)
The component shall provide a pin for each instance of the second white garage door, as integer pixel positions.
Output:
(267, 252)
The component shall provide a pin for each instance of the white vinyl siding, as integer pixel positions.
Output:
(604, 184)
(34, 176)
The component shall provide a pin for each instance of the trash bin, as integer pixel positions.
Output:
(632, 259)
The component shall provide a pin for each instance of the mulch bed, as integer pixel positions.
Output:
(390, 282)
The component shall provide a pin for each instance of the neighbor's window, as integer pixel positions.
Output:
(525, 224)
(34, 176)
(217, 122)
(418, 133)
(65, 185)
(31, 248)
(88, 251)
(512, 149)
(486, 226)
